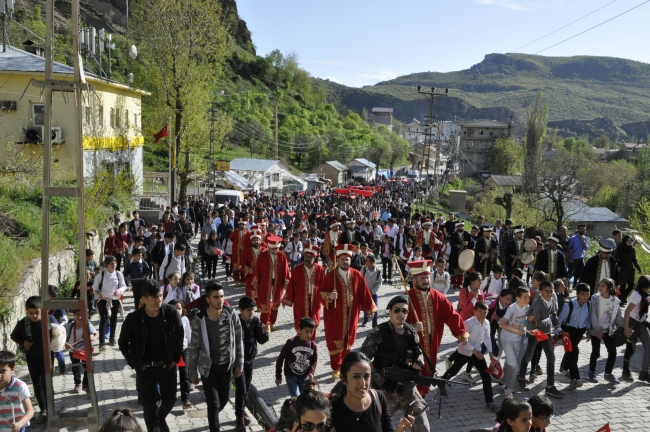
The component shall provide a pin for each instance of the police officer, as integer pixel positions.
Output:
(393, 344)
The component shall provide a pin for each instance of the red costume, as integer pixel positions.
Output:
(302, 293)
(433, 310)
(431, 243)
(341, 316)
(250, 259)
(268, 295)
(237, 240)
(329, 244)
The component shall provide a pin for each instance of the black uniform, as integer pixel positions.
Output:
(542, 264)
(485, 257)
(457, 239)
(512, 251)
(591, 273)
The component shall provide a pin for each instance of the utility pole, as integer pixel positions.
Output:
(276, 130)
(428, 133)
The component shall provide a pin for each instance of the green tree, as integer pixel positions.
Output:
(182, 46)
(602, 142)
(506, 157)
(535, 131)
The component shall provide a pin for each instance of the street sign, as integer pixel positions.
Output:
(223, 166)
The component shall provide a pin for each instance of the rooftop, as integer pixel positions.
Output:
(250, 164)
(382, 110)
(365, 162)
(484, 123)
(506, 180)
(337, 165)
(596, 214)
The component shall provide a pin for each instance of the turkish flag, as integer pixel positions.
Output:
(540, 335)
(604, 428)
(181, 362)
(162, 134)
(566, 341)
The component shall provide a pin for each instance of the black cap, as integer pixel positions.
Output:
(396, 300)
(246, 303)
(181, 211)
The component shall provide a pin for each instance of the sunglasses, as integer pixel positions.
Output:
(309, 426)
(398, 310)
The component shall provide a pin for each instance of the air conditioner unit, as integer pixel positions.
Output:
(34, 135)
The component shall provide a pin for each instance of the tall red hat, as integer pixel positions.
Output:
(256, 234)
(314, 250)
(242, 220)
(345, 249)
(274, 242)
(419, 268)
(334, 223)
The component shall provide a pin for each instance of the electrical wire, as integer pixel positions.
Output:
(563, 27)
(591, 28)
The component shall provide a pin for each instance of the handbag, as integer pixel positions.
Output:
(619, 336)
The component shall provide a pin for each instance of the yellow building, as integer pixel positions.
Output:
(112, 122)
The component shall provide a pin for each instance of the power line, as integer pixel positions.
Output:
(563, 27)
(591, 28)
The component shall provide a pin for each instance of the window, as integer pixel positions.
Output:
(38, 115)
(118, 122)
(470, 143)
(100, 116)
(126, 117)
(111, 116)
(267, 181)
(481, 133)
(470, 131)
(135, 120)
(276, 177)
(86, 116)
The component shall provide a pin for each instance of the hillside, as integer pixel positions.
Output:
(592, 95)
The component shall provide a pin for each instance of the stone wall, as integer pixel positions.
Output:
(61, 265)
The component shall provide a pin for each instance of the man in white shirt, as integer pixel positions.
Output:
(108, 287)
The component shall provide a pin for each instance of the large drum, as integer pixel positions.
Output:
(466, 259)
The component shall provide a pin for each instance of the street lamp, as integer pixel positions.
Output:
(214, 111)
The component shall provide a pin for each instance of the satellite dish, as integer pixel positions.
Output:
(133, 52)
(130, 78)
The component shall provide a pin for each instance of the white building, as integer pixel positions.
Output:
(362, 168)
(267, 175)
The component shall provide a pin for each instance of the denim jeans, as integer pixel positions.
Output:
(375, 298)
(295, 384)
(512, 351)
(104, 319)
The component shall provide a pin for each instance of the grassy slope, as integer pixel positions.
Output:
(574, 87)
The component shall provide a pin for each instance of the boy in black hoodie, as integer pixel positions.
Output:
(253, 332)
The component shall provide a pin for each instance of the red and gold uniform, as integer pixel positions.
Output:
(427, 239)
(250, 259)
(270, 277)
(341, 316)
(433, 310)
(237, 239)
(331, 240)
(302, 291)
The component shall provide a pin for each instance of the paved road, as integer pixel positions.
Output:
(625, 406)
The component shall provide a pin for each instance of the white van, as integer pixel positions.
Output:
(220, 197)
(413, 175)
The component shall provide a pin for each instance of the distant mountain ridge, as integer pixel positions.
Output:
(585, 95)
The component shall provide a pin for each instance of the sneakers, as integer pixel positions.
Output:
(247, 420)
(522, 385)
(532, 377)
(508, 393)
(644, 376)
(492, 407)
(77, 388)
(187, 405)
(112, 342)
(240, 425)
(553, 392)
(539, 371)
(102, 348)
(502, 386)
(564, 372)
(62, 368)
(575, 384)
(592, 377)
(627, 376)
(448, 363)
(610, 378)
(468, 378)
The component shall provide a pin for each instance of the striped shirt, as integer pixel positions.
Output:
(11, 406)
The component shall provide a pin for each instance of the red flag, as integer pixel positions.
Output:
(181, 362)
(162, 134)
(566, 341)
(540, 335)
(604, 428)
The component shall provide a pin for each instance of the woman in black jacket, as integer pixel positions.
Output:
(627, 262)
(223, 233)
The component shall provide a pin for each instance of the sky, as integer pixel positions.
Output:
(361, 42)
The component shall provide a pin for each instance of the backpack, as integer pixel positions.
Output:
(169, 261)
(363, 272)
(570, 305)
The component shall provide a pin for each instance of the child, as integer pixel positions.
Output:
(513, 329)
(561, 293)
(29, 336)
(440, 279)
(516, 273)
(417, 254)
(357, 262)
(405, 256)
(75, 342)
(364, 252)
(299, 356)
(287, 417)
(470, 352)
(544, 318)
(122, 420)
(636, 315)
(15, 396)
(201, 253)
(470, 295)
(58, 316)
(372, 277)
(137, 272)
(515, 415)
(543, 410)
(182, 370)
(494, 283)
(386, 258)
(497, 310)
(76, 291)
(575, 320)
(253, 332)
(536, 279)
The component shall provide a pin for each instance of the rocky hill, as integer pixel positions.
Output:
(585, 95)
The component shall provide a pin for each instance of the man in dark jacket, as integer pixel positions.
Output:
(600, 266)
(151, 341)
(552, 261)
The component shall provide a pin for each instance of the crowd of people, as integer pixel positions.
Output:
(318, 252)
